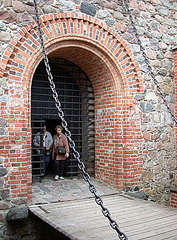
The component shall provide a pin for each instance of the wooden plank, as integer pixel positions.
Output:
(156, 233)
(161, 236)
(83, 219)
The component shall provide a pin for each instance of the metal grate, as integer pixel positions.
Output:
(77, 100)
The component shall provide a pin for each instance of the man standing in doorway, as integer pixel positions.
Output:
(47, 142)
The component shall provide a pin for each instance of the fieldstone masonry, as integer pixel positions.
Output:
(156, 24)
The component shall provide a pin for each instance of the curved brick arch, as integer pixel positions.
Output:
(102, 47)
(57, 25)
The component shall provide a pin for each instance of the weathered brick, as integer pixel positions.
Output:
(115, 75)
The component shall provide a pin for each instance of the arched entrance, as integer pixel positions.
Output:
(108, 62)
(77, 101)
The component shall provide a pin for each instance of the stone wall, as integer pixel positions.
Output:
(156, 25)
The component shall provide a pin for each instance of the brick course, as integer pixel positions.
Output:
(115, 76)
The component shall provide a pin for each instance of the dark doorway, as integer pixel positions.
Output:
(77, 102)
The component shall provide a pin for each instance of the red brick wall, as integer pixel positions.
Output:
(108, 61)
(173, 200)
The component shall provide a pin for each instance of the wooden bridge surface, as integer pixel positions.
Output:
(83, 219)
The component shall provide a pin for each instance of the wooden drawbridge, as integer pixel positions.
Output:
(81, 219)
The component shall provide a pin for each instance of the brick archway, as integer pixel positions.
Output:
(108, 61)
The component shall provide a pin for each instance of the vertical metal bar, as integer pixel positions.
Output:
(67, 77)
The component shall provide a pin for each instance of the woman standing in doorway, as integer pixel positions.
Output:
(59, 140)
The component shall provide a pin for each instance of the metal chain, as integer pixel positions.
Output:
(76, 154)
(147, 62)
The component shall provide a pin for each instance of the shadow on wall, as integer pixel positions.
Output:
(24, 224)
(45, 232)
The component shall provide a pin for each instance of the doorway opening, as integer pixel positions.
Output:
(77, 102)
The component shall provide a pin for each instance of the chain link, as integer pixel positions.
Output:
(76, 154)
(148, 63)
